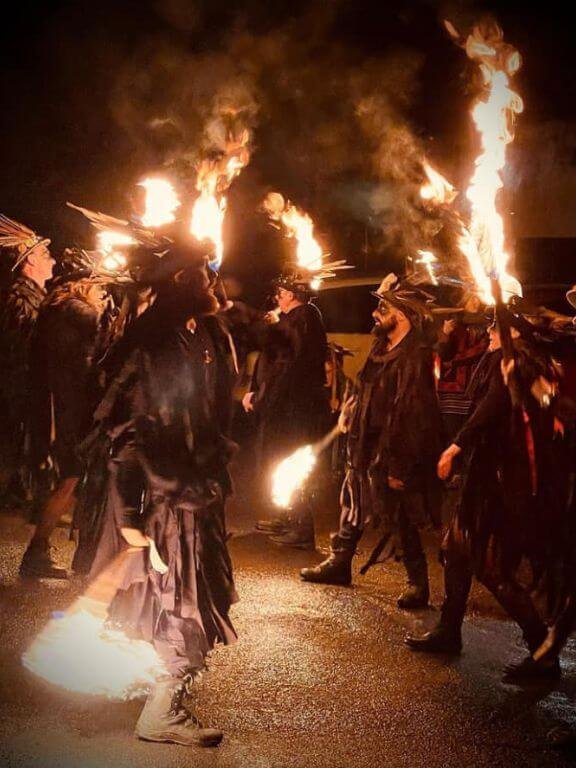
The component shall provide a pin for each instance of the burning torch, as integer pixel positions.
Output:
(292, 472)
(77, 651)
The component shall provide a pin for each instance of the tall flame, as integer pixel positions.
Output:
(161, 202)
(290, 475)
(493, 115)
(213, 179)
(298, 225)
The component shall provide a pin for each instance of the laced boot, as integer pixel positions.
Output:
(164, 718)
(37, 562)
(337, 568)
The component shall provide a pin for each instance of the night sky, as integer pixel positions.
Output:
(95, 95)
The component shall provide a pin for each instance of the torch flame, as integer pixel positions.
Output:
(161, 202)
(493, 115)
(290, 475)
(78, 653)
(437, 189)
(214, 178)
(108, 241)
(114, 262)
(298, 225)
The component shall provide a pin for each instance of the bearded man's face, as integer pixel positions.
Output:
(385, 319)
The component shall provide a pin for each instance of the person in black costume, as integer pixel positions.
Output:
(506, 447)
(31, 266)
(166, 413)
(289, 396)
(71, 335)
(394, 438)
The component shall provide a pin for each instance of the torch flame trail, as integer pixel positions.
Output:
(78, 652)
(290, 475)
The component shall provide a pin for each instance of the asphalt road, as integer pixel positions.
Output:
(320, 677)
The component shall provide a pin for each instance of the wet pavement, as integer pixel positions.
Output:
(319, 677)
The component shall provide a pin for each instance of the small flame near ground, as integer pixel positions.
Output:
(79, 653)
(291, 474)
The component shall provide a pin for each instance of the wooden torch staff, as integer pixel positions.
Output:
(502, 317)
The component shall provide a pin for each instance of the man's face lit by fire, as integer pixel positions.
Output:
(41, 262)
(284, 299)
(386, 318)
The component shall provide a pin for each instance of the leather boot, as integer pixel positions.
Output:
(164, 718)
(297, 538)
(528, 670)
(300, 532)
(442, 639)
(417, 592)
(414, 596)
(336, 569)
(273, 525)
(37, 562)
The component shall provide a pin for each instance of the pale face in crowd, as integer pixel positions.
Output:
(39, 264)
(284, 299)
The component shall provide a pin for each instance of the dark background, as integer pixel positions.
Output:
(92, 92)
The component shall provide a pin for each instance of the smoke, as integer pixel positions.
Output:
(329, 126)
(178, 108)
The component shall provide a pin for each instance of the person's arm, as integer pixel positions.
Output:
(489, 411)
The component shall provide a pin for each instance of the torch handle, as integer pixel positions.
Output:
(502, 317)
(325, 441)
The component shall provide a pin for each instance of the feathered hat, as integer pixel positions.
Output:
(20, 238)
(415, 303)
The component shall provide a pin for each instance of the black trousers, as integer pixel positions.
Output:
(399, 524)
(462, 563)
